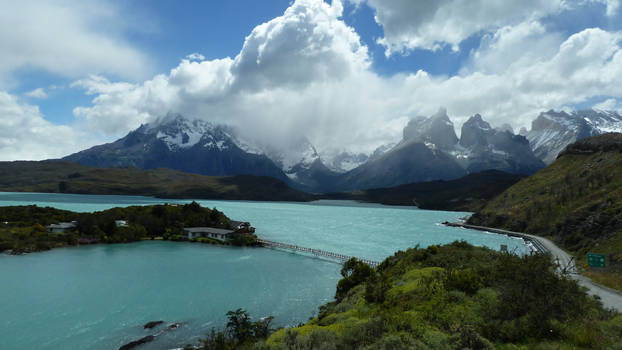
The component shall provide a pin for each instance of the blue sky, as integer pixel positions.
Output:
(349, 73)
(169, 32)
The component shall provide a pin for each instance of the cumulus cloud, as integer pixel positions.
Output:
(306, 73)
(308, 43)
(26, 135)
(431, 25)
(586, 64)
(520, 45)
(298, 72)
(70, 39)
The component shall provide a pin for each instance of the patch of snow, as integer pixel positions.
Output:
(302, 154)
(460, 152)
(349, 164)
(178, 132)
(496, 151)
(247, 146)
(221, 145)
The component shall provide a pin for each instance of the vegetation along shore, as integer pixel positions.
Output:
(25, 229)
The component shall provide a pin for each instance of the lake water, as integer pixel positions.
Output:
(98, 297)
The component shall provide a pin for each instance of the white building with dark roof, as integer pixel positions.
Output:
(62, 227)
(220, 234)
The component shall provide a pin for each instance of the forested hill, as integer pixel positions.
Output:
(68, 177)
(468, 193)
(577, 201)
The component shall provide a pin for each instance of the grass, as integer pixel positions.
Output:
(611, 280)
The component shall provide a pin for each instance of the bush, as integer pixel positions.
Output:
(354, 272)
(468, 338)
(466, 280)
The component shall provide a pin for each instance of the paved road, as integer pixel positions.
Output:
(609, 297)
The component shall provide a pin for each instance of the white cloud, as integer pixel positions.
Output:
(71, 39)
(306, 73)
(431, 25)
(586, 64)
(610, 104)
(37, 93)
(612, 6)
(300, 71)
(521, 45)
(308, 43)
(26, 135)
(195, 57)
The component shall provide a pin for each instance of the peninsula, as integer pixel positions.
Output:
(25, 229)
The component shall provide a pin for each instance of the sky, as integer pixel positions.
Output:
(346, 74)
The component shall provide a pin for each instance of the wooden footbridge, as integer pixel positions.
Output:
(317, 252)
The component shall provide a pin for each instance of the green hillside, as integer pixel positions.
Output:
(576, 201)
(67, 177)
(454, 296)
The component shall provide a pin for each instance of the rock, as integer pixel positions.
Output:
(138, 342)
(173, 326)
(437, 130)
(152, 324)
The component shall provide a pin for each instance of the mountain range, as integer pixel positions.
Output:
(429, 150)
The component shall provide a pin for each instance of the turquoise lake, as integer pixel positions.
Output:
(98, 297)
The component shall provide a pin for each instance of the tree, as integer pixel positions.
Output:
(354, 272)
(261, 328)
(239, 325)
(214, 341)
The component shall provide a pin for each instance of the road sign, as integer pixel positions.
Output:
(596, 260)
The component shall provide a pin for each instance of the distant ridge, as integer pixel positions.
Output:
(68, 177)
(468, 193)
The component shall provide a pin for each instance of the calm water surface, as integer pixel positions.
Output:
(98, 297)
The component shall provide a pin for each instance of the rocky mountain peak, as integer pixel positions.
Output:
(475, 132)
(506, 127)
(437, 130)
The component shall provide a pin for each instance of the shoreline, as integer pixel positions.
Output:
(211, 242)
(610, 298)
(529, 239)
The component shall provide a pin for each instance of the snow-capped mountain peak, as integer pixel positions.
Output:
(300, 153)
(178, 132)
(552, 131)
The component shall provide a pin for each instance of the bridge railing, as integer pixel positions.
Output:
(318, 252)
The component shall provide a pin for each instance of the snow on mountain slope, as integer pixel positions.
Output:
(177, 132)
(552, 131)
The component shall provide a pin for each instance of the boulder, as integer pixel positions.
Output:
(138, 342)
(150, 325)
